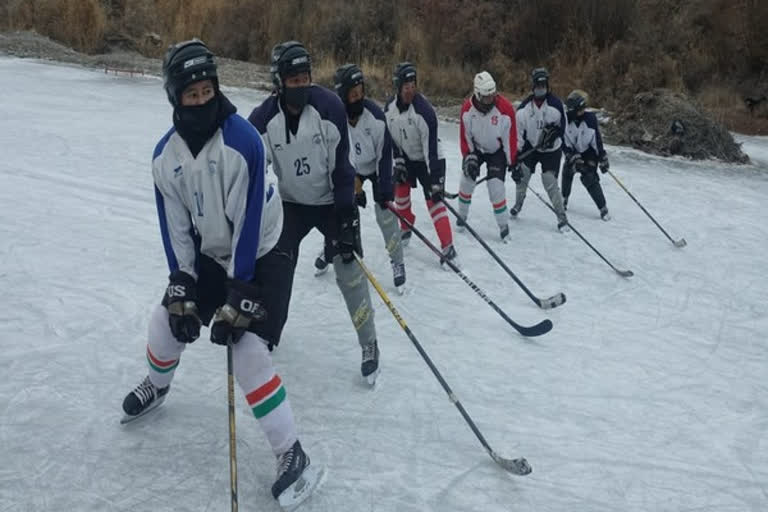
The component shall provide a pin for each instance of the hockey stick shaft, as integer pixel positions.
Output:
(622, 273)
(521, 156)
(676, 243)
(521, 464)
(536, 330)
(232, 436)
(556, 300)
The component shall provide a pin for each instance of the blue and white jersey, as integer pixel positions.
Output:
(372, 145)
(582, 135)
(414, 131)
(531, 118)
(222, 200)
(313, 166)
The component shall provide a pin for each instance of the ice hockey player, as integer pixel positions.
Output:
(371, 153)
(540, 124)
(305, 129)
(220, 218)
(488, 132)
(418, 155)
(584, 151)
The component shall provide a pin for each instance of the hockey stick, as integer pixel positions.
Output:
(517, 466)
(622, 273)
(542, 327)
(232, 437)
(677, 243)
(552, 302)
(521, 156)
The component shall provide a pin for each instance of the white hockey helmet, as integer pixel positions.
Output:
(484, 85)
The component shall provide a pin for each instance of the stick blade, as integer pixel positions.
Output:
(680, 243)
(625, 273)
(540, 328)
(519, 466)
(552, 302)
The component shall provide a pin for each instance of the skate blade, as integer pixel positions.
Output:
(400, 289)
(127, 418)
(371, 379)
(312, 478)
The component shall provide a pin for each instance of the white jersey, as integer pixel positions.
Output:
(531, 119)
(488, 132)
(582, 135)
(223, 200)
(371, 147)
(414, 131)
(313, 166)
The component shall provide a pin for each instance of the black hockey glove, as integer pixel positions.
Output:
(437, 190)
(471, 166)
(517, 172)
(361, 199)
(605, 166)
(549, 135)
(575, 162)
(399, 171)
(383, 199)
(243, 305)
(181, 302)
(348, 239)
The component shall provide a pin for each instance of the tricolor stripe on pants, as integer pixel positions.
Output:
(266, 398)
(500, 207)
(465, 198)
(160, 366)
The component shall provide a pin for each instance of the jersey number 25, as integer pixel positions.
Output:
(302, 166)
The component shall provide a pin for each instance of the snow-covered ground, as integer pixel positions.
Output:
(650, 393)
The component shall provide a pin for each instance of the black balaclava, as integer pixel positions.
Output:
(197, 124)
(297, 97)
(354, 109)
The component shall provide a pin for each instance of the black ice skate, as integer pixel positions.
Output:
(604, 214)
(370, 365)
(461, 225)
(562, 226)
(143, 399)
(449, 254)
(398, 276)
(504, 234)
(513, 212)
(321, 266)
(296, 479)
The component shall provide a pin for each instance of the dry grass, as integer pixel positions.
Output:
(613, 50)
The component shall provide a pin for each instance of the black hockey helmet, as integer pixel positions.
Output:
(288, 59)
(347, 77)
(404, 72)
(577, 100)
(540, 76)
(186, 63)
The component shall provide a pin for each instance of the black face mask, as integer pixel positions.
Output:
(354, 109)
(297, 97)
(196, 124)
(197, 119)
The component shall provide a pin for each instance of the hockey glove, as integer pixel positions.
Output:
(471, 166)
(437, 190)
(549, 135)
(517, 172)
(575, 162)
(181, 302)
(348, 239)
(361, 199)
(243, 305)
(605, 166)
(399, 171)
